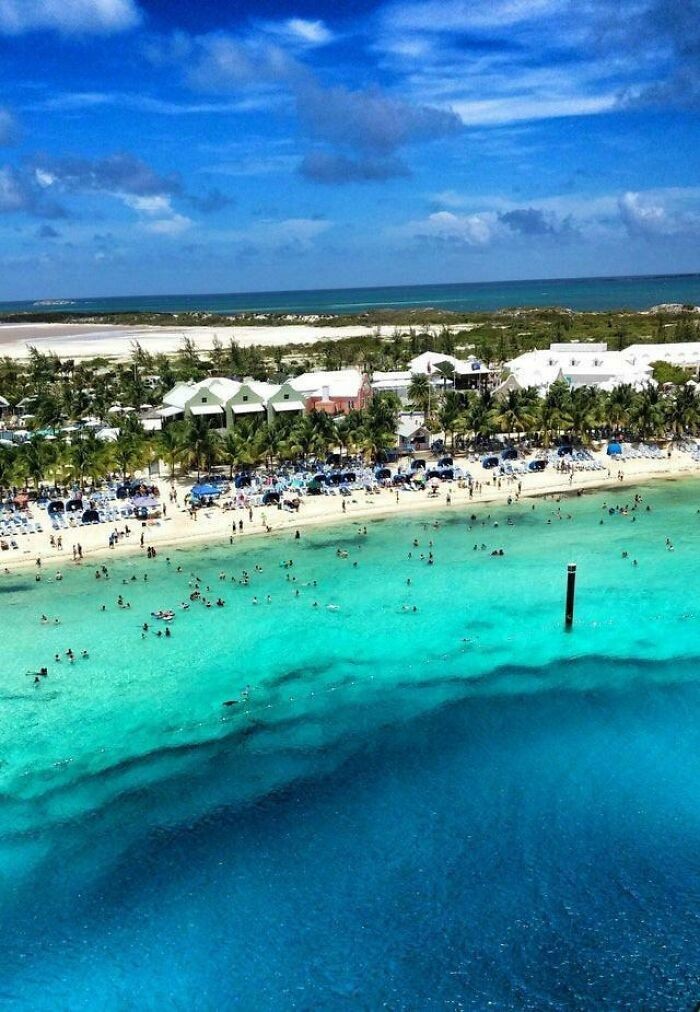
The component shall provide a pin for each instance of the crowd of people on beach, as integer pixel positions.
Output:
(199, 592)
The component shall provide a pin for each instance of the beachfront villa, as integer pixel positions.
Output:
(442, 370)
(222, 401)
(578, 364)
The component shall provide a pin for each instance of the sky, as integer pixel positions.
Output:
(168, 146)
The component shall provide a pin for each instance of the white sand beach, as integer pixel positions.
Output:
(88, 340)
(179, 529)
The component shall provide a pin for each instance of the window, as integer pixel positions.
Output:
(286, 397)
(204, 400)
(245, 397)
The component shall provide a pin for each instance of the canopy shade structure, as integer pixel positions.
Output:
(169, 411)
(205, 490)
(614, 448)
(207, 409)
(246, 409)
(288, 406)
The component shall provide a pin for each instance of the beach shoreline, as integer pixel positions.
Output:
(214, 526)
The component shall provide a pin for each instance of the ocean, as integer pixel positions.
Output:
(574, 293)
(461, 806)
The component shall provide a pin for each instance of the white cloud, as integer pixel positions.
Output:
(166, 220)
(175, 225)
(461, 229)
(481, 220)
(507, 61)
(659, 213)
(300, 30)
(521, 108)
(85, 100)
(68, 16)
(153, 204)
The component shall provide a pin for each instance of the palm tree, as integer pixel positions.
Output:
(88, 456)
(171, 444)
(419, 393)
(682, 410)
(481, 419)
(516, 413)
(647, 415)
(201, 442)
(128, 451)
(449, 414)
(619, 407)
(584, 412)
(305, 438)
(243, 446)
(447, 372)
(35, 459)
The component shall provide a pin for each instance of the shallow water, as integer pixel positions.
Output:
(451, 807)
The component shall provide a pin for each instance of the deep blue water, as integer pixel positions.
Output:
(574, 293)
(517, 852)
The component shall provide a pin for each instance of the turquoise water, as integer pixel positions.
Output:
(575, 293)
(462, 806)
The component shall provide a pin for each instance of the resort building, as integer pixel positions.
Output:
(336, 393)
(286, 399)
(578, 365)
(442, 370)
(207, 399)
(413, 434)
(393, 383)
(461, 374)
(252, 399)
(682, 353)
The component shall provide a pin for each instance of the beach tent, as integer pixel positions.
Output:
(198, 491)
(614, 449)
(270, 497)
(74, 505)
(91, 517)
(489, 462)
(55, 507)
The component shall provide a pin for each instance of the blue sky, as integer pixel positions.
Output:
(162, 146)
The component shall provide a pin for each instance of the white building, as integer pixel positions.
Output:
(578, 365)
(683, 353)
(412, 432)
(461, 374)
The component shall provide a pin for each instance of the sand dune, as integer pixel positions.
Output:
(87, 340)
